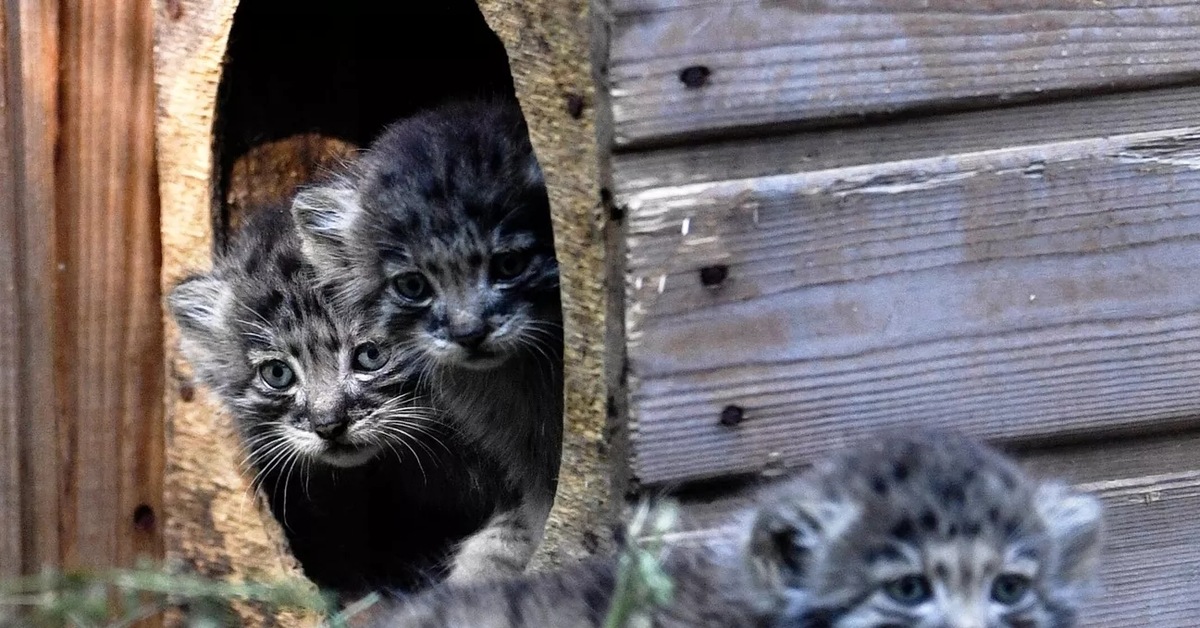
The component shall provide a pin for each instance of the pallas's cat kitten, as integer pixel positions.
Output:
(914, 531)
(372, 489)
(441, 234)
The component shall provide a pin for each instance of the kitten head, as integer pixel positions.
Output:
(923, 532)
(443, 230)
(302, 379)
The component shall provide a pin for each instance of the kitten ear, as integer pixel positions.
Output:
(324, 216)
(199, 305)
(533, 172)
(1075, 524)
(797, 523)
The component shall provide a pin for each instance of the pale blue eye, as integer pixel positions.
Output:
(1009, 589)
(909, 590)
(276, 374)
(369, 357)
(412, 286)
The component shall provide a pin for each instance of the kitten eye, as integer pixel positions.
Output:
(412, 286)
(277, 374)
(909, 590)
(368, 357)
(1008, 589)
(507, 266)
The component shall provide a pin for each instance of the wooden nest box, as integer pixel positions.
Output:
(820, 220)
(257, 97)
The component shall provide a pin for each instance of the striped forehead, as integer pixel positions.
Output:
(292, 318)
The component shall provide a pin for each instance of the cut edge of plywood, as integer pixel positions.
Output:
(213, 522)
(549, 47)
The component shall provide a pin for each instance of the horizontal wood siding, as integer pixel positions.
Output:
(785, 61)
(1023, 293)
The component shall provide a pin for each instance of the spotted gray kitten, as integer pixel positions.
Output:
(925, 531)
(373, 490)
(441, 233)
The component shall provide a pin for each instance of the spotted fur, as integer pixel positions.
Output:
(441, 234)
(903, 532)
(338, 438)
(928, 531)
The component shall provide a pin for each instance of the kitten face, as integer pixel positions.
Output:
(941, 533)
(444, 231)
(303, 380)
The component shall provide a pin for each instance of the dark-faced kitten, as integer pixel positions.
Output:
(441, 234)
(913, 531)
(373, 490)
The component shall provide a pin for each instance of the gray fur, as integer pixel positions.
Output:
(454, 198)
(345, 448)
(822, 549)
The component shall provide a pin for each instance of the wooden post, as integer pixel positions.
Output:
(80, 314)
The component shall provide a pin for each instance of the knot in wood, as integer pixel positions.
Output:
(732, 415)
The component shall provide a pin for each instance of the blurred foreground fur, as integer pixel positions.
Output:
(921, 531)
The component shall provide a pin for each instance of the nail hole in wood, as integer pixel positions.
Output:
(732, 415)
(187, 392)
(694, 77)
(143, 518)
(575, 105)
(715, 275)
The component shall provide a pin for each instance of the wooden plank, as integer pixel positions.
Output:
(966, 132)
(1151, 564)
(787, 61)
(109, 314)
(1026, 293)
(10, 316)
(30, 114)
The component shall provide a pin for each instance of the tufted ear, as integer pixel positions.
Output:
(793, 524)
(324, 216)
(200, 304)
(1075, 522)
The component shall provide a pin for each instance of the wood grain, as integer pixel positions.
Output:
(29, 114)
(108, 315)
(1149, 487)
(922, 137)
(1022, 293)
(787, 61)
(10, 317)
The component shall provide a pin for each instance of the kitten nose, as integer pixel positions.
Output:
(331, 429)
(469, 334)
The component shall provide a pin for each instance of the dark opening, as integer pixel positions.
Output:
(305, 87)
(302, 90)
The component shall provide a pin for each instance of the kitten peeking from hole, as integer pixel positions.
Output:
(374, 488)
(440, 235)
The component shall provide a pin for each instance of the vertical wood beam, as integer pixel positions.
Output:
(108, 315)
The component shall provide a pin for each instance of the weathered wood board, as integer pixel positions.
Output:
(82, 363)
(1023, 292)
(1151, 490)
(786, 61)
(10, 320)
